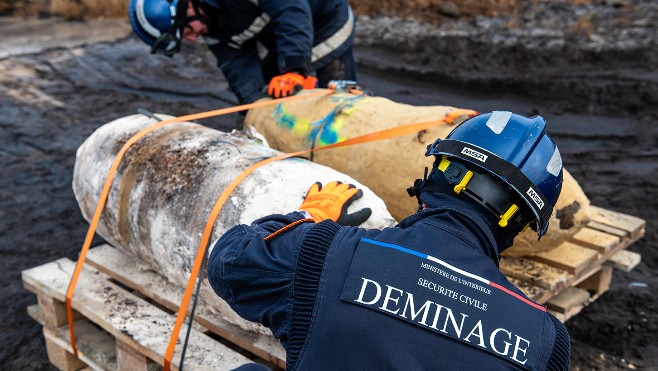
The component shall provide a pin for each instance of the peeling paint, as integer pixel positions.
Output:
(567, 215)
(327, 130)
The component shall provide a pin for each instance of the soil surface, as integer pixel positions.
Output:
(599, 98)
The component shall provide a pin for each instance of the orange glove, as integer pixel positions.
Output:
(289, 84)
(332, 201)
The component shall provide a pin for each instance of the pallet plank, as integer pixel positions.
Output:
(122, 267)
(535, 293)
(534, 272)
(633, 225)
(95, 346)
(622, 234)
(598, 283)
(129, 360)
(594, 239)
(625, 260)
(35, 313)
(568, 256)
(570, 298)
(53, 312)
(59, 357)
(128, 318)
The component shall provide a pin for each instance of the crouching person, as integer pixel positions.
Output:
(426, 294)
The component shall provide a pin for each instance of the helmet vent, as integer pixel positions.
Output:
(555, 163)
(498, 120)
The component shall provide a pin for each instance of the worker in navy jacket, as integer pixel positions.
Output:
(284, 45)
(426, 294)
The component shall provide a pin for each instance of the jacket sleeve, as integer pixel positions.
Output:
(561, 354)
(242, 70)
(255, 277)
(293, 25)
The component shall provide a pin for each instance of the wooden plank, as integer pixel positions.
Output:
(121, 267)
(595, 239)
(622, 234)
(35, 313)
(625, 260)
(129, 360)
(633, 225)
(603, 258)
(53, 312)
(598, 283)
(568, 256)
(535, 293)
(128, 318)
(568, 299)
(95, 346)
(534, 272)
(564, 317)
(59, 357)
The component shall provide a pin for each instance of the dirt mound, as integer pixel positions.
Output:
(68, 9)
(430, 10)
(600, 55)
(434, 10)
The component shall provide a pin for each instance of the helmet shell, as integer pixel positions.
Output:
(519, 140)
(151, 18)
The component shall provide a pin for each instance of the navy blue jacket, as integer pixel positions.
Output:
(426, 294)
(255, 40)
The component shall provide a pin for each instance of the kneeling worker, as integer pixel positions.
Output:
(284, 45)
(426, 294)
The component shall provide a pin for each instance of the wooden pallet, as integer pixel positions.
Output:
(125, 314)
(124, 320)
(577, 272)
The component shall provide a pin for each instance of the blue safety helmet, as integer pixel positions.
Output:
(155, 22)
(512, 148)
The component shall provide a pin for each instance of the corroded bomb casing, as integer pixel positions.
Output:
(168, 182)
(388, 167)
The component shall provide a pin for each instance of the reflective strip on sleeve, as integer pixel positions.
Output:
(256, 27)
(143, 21)
(335, 41)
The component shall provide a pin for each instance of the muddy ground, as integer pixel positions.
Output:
(601, 112)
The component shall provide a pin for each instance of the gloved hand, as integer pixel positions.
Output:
(332, 201)
(289, 84)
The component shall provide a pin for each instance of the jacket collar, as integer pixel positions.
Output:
(438, 203)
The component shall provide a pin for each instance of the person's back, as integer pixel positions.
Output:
(415, 275)
(426, 294)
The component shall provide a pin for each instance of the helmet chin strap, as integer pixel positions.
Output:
(173, 35)
(163, 42)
